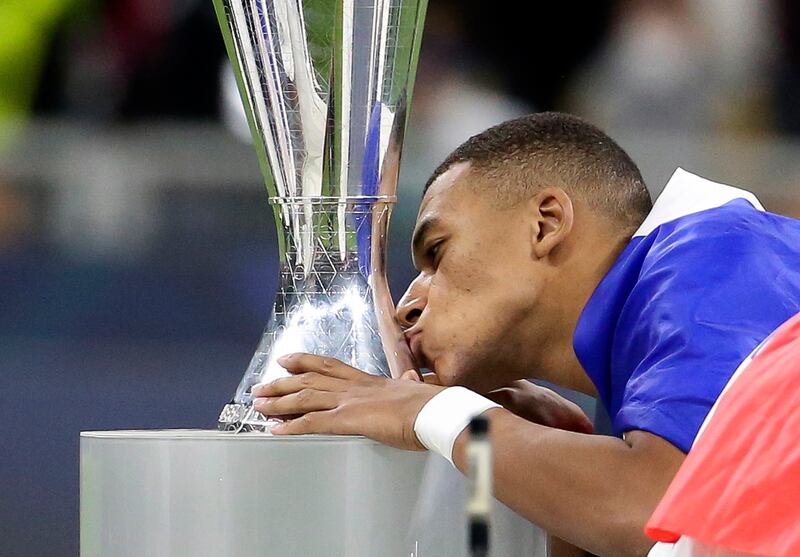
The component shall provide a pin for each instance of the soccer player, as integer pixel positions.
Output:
(540, 256)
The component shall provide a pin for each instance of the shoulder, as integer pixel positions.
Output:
(734, 228)
(721, 256)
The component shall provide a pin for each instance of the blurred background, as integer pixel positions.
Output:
(137, 254)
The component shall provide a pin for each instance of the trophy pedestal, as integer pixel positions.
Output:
(207, 493)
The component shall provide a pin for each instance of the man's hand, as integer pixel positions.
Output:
(540, 405)
(323, 395)
(531, 402)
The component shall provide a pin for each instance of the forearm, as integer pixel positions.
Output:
(594, 491)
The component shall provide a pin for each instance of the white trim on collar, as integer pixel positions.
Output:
(686, 194)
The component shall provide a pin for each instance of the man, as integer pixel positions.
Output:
(539, 257)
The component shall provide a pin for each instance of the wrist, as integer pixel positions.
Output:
(445, 416)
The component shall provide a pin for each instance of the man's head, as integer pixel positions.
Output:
(515, 229)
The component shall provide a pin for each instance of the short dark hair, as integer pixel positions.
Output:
(553, 148)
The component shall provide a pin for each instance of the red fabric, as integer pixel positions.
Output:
(739, 487)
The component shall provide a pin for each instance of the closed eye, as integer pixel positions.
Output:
(432, 253)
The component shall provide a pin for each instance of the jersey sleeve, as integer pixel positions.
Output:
(709, 292)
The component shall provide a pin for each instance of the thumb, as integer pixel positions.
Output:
(411, 375)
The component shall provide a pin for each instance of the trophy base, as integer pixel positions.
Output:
(236, 418)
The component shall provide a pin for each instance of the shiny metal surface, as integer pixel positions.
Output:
(173, 493)
(326, 86)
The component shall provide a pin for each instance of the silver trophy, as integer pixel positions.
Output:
(326, 86)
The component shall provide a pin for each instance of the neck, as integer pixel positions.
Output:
(598, 251)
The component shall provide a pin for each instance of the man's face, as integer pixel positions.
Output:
(470, 313)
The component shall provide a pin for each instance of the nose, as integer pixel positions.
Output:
(413, 302)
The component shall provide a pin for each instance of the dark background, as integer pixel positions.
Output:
(137, 256)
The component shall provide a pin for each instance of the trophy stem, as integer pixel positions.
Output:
(333, 298)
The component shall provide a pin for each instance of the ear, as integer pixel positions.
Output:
(552, 219)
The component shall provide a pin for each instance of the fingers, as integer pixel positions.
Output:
(568, 415)
(301, 402)
(543, 406)
(294, 383)
(305, 363)
(314, 422)
(503, 396)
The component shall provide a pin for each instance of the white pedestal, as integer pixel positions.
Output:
(179, 493)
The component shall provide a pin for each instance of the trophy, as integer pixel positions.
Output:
(326, 86)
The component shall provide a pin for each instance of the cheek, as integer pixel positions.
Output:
(456, 289)
(476, 280)
(465, 299)
(470, 272)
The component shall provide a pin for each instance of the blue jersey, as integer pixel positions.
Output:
(707, 277)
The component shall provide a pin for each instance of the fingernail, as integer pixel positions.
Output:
(285, 358)
(260, 403)
(277, 428)
(255, 388)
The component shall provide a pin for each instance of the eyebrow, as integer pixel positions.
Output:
(420, 232)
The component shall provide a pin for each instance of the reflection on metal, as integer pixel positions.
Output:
(326, 85)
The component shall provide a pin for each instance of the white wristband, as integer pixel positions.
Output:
(443, 417)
